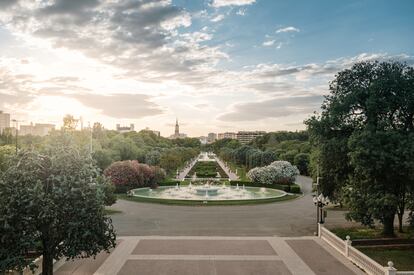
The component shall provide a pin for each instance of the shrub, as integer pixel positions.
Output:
(294, 188)
(129, 174)
(278, 172)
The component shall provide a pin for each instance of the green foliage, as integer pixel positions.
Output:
(207, 169)
(301, 161)
(364, 141)
(52, 202)
(264, 150)
(6, 152)
(294, 188)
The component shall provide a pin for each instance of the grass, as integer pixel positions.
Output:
(402, 257)
(201, 203)
(109, 211)
(369, 233)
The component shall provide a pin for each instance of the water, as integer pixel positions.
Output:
(208, 192)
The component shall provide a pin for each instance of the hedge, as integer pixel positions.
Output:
(294, 188)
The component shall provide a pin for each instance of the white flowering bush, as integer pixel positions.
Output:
(279, 172)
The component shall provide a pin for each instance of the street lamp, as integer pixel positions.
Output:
(321, 201)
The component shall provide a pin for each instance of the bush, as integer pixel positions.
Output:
(129, 174)
(294, 188)
(278, 172)
(258, 184)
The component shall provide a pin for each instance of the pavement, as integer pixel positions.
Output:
(285, 219)
(194, 255)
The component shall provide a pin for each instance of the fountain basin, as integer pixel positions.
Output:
(211, 193)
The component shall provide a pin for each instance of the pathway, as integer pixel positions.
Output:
(230, 174)
(214, 256)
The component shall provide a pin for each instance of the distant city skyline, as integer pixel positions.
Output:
(218, 65)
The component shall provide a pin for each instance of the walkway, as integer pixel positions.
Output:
(230, 174)
(214, 256)
(290, 218)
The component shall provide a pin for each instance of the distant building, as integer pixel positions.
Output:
(211, 137)
(125, 129)
(177, 133)
(246, 136)
(157, 133)
(227, 135)
(38, 129)
(4, 121)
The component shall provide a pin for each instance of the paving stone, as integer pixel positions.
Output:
(317, 258)
(203, 247)
(204, 267)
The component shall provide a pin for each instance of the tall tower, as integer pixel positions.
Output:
(177, 128)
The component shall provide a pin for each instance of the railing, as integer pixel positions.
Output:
(357, 257)
(366, 263)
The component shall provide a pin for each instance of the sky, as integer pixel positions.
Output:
(216, 65)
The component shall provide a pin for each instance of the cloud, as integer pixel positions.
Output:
(217, 18)
(287, 29)
(268, 43)
(131, 106)
(241, 12)
(272, 108)
(224, 3)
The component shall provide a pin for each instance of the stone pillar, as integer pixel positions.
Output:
(348, 243)
(390, 270)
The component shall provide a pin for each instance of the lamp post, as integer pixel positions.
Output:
(321, 201)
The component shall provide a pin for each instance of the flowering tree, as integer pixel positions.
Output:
(132, 174)
(279, 172)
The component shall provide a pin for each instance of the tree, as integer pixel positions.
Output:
(279, 172)
(6, 152)
(53, 202)
(301, 161)
(364, 139)
(153, 157)
(69, 123)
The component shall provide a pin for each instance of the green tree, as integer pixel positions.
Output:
(6, 152)
(364, 140)
(301, 161)
(53, 202)
(69, 123)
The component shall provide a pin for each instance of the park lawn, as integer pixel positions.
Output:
(201, 203)
(369, 233)
(402, 257)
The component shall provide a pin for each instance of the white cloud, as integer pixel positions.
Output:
(217, 18)
(268, 43)
(287, 29)
(224, 3)
(241, 12)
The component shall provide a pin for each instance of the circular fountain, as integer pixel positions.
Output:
(208, 192)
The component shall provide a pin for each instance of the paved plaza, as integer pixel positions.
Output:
(285, 219)
(260, 239)
(214, 256)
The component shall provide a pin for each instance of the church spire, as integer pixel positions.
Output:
(177, 128)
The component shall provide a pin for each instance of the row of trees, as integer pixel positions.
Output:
(364, 142)
(110, 146)
(293, 147)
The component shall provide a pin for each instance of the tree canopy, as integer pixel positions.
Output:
(52, 201)
(364, 140)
